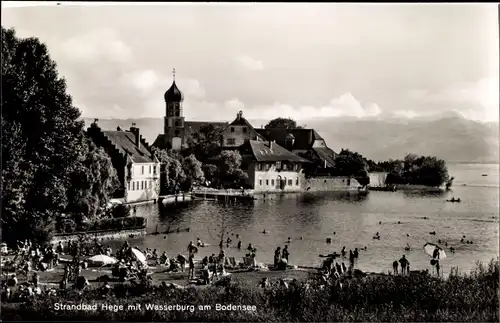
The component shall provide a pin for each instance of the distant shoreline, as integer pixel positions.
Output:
(473, 162)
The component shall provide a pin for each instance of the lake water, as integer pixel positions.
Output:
(354, 219)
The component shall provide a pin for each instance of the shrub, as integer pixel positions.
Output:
(472, 297)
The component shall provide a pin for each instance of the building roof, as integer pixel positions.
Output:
(326, 154)
(267, 151)
(241, 121)
(195, 126)
(125, 143)
(161, 142)
(304, 138)
(173, 94)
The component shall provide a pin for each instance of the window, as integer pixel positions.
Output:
(284, 166)
(154, 170)
(170, 113)
(266, 166)
(177, 133)
(178, 122)
(142, 170)
(290, 183)
(128, 186)
(297, 181)
(297, 167)
(260, 182)
(272, 182)
(142, 185)
(267, 182)
(278, 165)
(259, 166)
(231, 141)
(177, 105)
(232, 129)
(133, 186)
(150, 169)
(177, 113)
(244, 129)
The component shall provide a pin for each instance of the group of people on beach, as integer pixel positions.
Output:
(281, 257)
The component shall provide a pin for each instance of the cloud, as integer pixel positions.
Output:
(234, 105)
(106, 80)
(96, 46)
(345, 105)
(249, 63)
(474, 100)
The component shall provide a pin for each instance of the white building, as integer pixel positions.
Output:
(137, 167)
(272, 168)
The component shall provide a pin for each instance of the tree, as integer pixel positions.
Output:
(286, 123)
(348, 163)
(229, 170)
(206, 143)
(42, 139)
(172, 175)
(193, 171)
(94, 180)
(210, 171)
(418, 170)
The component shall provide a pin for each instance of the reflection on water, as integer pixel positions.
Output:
(354, 219)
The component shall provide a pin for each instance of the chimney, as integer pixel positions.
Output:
(239, 115)
(137, 134)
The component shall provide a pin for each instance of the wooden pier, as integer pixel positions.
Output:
(223, 195)
(175, 198)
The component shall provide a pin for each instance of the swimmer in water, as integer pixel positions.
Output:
(289, 239)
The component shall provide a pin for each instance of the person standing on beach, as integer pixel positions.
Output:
(395, 267)
(343, 252)
(351, 260)
(191, 248)
(277, 254)
(435, 253)
(356, 255)
(404, 264)
(285, 253)
(437, 268)
(191, 267)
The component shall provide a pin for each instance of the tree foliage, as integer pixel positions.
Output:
(178, 172)
(348, 163)
(286, 123)
(44, 149)
(93, 182)
(206, 143)
(419, 170)
(193, 170)
(229, 172)
(42, 137)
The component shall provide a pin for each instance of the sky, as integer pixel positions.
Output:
(304, 61)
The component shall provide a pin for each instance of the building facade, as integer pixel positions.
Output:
(271, 168)
(175, 129)
(137, 167)
(306, 143)
(237, 132)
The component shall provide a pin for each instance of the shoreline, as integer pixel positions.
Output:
(102, 235)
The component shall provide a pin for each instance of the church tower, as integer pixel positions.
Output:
(174, 119)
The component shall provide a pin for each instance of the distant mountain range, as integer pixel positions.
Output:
(450, 137)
